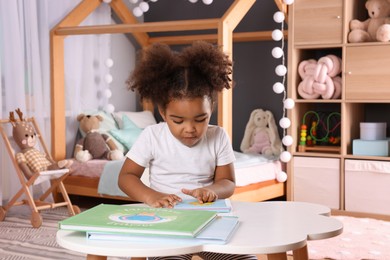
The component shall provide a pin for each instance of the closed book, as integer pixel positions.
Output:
(220, 205)
(141, 220)
(218, 231)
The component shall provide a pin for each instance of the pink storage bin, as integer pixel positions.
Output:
(367, 186)
(317, 180)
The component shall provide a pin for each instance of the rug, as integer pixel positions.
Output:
(20, 241)
(362, 238)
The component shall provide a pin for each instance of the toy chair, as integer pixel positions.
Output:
(56, 177)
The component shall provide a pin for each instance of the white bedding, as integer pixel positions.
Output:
(254, 168)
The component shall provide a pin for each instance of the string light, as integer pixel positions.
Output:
(142, 6)
(109, 108)
(279, 87)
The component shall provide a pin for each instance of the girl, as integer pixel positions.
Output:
(186, 156)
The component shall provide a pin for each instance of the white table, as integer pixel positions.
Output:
(271, 228)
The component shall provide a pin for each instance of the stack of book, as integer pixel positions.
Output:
(142, 223)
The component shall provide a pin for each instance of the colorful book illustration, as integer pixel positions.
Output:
(219, 231)
(220, 205)
(141, 220)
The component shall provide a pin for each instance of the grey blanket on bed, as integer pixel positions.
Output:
(108, 183)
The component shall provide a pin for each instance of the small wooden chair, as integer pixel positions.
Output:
(55, 176)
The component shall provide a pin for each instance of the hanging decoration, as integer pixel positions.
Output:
(142, 6)
(109, 108)
(279, 87)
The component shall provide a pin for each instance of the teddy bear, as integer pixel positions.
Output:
(261, 134)
(30, 159)
(94, 145)
(320, 78)
(376, 27)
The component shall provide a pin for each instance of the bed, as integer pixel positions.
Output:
(255, 179)
(80, 184)
(255, 174)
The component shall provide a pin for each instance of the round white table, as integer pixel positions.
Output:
(271, 228)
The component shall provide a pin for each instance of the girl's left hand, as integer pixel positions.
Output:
(201, 194)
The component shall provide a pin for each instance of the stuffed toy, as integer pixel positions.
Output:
(94, 145)
(30, 159)
(320, 78)
(376, 27)
(261, 134)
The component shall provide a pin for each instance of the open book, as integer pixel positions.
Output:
(139, 220)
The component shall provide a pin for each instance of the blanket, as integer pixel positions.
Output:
(108, 183)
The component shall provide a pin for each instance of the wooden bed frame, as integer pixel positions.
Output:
(224, 37)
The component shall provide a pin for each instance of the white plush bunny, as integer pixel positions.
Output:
(261, 134)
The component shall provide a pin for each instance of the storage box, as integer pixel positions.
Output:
(317, 180)
(373, 131)
(371, 148)
(367, 186)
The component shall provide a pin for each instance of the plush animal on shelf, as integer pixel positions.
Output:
(376, 27)
(261, 134)
(30, 159)
(320, 78)
(94, 145)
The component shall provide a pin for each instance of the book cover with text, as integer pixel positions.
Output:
(142, 220)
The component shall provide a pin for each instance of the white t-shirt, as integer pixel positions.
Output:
(173, 165)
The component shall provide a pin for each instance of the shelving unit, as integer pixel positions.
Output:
(318, 28)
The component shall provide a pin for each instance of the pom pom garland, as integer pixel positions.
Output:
(277, 52)
(109, 63)
(281, 176)
(285, 156)
(281, 70)
(289, 103)
(143, 5)
(278, 88)
(108, 78)
(207, 2)
(277, 35)
(107, 93)
(288, 2)
(109, 108)
(287, 140)
(284, 122)
(279, 17)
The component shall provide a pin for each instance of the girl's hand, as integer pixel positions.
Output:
(164, 201)
(201, 194)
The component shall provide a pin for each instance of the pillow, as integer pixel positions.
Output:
(141, 119)
(128, 134)
(106, 125)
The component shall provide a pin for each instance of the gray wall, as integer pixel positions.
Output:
(254, 66)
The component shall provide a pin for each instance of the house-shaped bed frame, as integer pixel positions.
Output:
(223, 35)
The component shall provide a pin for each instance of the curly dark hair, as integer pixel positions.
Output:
(163, 75)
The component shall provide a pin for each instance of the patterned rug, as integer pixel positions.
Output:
(362, 238)
(20, 241)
